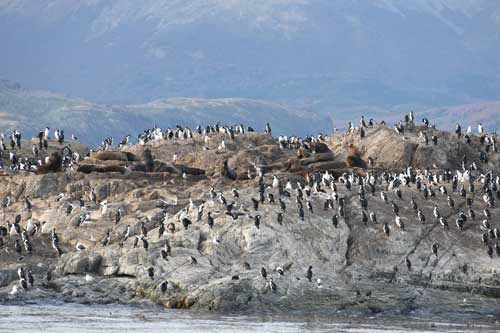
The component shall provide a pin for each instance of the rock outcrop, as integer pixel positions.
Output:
(356, 265)
(391, 150)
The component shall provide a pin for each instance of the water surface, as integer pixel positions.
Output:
(67, 318)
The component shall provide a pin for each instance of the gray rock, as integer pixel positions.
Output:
(349, 257)
(79, 263)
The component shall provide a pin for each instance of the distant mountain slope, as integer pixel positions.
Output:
(487, 113)
(330, 53)
(91, 122)
(445, 117)
(33, 110)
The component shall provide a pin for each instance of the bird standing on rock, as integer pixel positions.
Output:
(145, 244)
(272, 285)
(280, 218)
(24, 284)
(163, 287)
(186, 223)
(263, 273)
(210, 220)
(31, 280)
(17, 247)
(80, 247)
(399, 223)
(118, 216)
(435, 248)
(335, 220)
(309, 274)
(443, 222)
(107, 239)
(383, 195)
(257, 221)
(192, 260)
(151, 273)
(161, 230)
(421, 216)
(408, 263)
(387, 230)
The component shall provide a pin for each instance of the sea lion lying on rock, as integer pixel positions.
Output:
(88, 168)
(320, 147)
(123, 156)
(54, 164)
(353, 158)
(113, 161)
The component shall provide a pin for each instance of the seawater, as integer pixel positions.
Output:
(68, 318)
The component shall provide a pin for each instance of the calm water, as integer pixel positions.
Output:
(69, 318)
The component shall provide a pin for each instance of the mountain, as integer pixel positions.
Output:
(487, 113)
(444, 117)
(31, 111)
(326, 54)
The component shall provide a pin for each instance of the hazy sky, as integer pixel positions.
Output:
(320, 53)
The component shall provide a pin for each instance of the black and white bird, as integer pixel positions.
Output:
(263, 273)
(69, 209)
(192, 260)
(28, 247)
(451, 203)
(151, 273)
(186, 223)
(161, 230)
(383, 195)
(437, 215)
(210, 220)
(309, 274)
(30, 279)
(27, 203)
(387, 230)
(443, 222)
(21, 273)
(107, 239)
(399, 223)
(486, 224)
(126, 233)
(92, 196)
(118, 215)
(272, 285)
(335, 220)
(24, 284)
(145, 243)
(164, 254)
(79, 247)
(399, 194)
(435, 248)
(163, 287)
(280, 218)
(17, 247)
(257, 221)
(421, 216)
(408, 263)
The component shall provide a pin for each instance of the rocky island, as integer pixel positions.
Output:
(372, 220)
